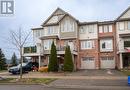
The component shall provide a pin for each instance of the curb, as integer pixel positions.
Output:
(89, 87)
(23, 84)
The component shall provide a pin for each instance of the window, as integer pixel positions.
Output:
(106, 45)
(128, 25)
(107, 58)
(110, 28)
(103, 45)
(87, 44)
(91, 28)
(51, 30)
(121, 26)
(126, 43)
(100, 29)
(105, 28)
(47, 44)
(82, 30)
(37, 33)
(68, 26)
(88, 58)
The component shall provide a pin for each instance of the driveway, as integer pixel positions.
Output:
(105, 72)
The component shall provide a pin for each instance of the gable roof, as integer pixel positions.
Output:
(65, 13)
(123, 13)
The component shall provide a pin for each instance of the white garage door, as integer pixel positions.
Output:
(107, 62)
(88, 63)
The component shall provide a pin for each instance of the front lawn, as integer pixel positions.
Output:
(3, 71)
(126, 72)
(28, 80)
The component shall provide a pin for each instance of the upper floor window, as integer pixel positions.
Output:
(82, 30)
(68, 26)
(105, 28)
(129, 25)
(87, 44)
(100, 29)
(52, 30)
(106, 45)
(110, 28)
(91, 28)
(121, 25)
(38, 33)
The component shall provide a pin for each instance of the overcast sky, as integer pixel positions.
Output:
(32, 13)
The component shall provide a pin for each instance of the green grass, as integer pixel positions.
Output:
(3, 71)
(37, 80)
(7, 80)
(126, 72)
(28, 80)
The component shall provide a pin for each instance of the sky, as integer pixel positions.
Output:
(32, 13)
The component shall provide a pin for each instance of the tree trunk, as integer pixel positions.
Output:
(21, 61)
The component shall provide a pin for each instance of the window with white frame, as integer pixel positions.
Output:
(51, 30)
(89, 44)
(106, 45)
(128, 25)
(100, 29)
(47, 44)
(110, 28)
(38, 33)
(105, 28)
(68, 26)
(91, 28)
(121, 25)
(82, 30)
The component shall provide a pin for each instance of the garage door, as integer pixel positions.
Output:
(88, 63)
(107, 62)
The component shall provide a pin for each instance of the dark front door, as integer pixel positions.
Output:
(126, 60)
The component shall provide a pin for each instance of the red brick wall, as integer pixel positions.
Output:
(89, 53)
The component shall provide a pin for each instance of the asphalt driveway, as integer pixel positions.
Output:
(105, 72)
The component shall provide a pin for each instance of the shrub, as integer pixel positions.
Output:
(68, 62)
(53, 61)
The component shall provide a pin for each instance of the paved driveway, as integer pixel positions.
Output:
(78, 74)
(104, 72)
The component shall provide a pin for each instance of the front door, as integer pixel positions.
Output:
(126, 60)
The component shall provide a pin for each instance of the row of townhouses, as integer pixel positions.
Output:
(94, 45)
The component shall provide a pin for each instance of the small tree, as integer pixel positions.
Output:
(53, 62)
(18, 40)
(14, 60)
(68, 62)
(2, 60)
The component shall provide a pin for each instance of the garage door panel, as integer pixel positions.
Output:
(87, 63)
(107, 63)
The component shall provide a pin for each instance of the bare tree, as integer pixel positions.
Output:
(18, 40)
